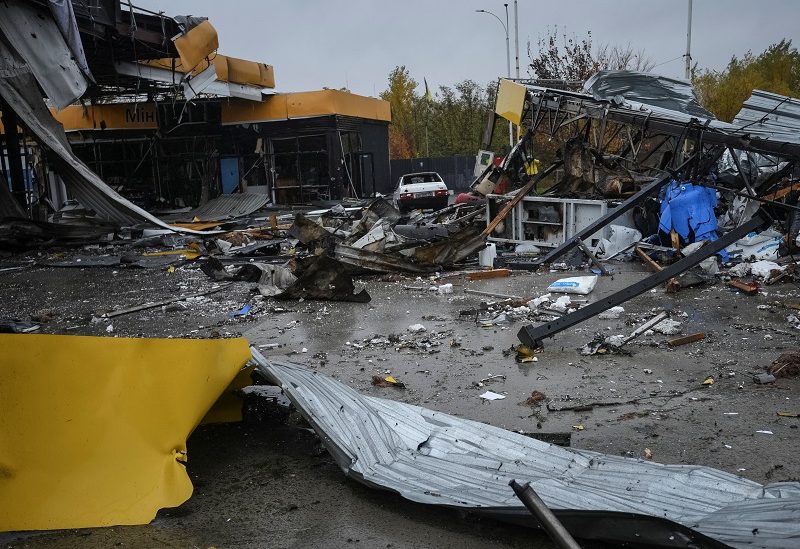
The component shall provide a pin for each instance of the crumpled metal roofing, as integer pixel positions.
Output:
(228, 206)
(32, 31)
(770, 116)
(23, 63)
(18, 89)
(650, 89)
(764, 115)
(434, 458)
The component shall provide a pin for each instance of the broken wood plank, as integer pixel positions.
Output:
(675, 239)
(750, 288)
(493, 273)
(673, 284)
(685, 340)
(521, 193)
(648, 260)
(783, 192)
(154, 304)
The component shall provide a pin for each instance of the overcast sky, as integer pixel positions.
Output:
(355, 43)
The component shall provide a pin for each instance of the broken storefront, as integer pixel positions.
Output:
(294, 148)
(628, 179)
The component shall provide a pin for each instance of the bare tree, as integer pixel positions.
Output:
(563, 57)
(624, 58)
(560, 56)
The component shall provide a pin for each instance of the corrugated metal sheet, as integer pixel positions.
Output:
(227, 206)
(650, 89)
(434, 458)
(770, 116)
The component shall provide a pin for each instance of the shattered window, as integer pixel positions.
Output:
(313, 159)
(301, 168)
(285, 162)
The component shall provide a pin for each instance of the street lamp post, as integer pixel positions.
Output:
(508, 61)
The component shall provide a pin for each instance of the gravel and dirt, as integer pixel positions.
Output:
(260, 484)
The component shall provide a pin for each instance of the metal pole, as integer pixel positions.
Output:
(14, 155)
(508, 46)
(508, 72)
(516, 36)
(508, 62)
(689, 44)
(544, 515)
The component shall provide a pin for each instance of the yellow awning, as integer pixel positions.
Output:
(287, 106)
(93, 429)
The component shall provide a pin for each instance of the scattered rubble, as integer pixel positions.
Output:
(786, 365)
(668, 327)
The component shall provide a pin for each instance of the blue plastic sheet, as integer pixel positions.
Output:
(688, 209)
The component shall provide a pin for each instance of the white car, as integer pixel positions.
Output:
(423, 190)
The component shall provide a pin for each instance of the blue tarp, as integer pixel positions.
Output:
(688, 209)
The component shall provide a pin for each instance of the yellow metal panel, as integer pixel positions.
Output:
(228, 407)
(93, 429)
(510, 101)
(305, 105)
(240, 111)
(197, 44)
(242, 71)
(267, 75)
(228, 69)
(113, 116)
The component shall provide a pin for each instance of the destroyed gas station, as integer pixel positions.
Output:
(222, 326)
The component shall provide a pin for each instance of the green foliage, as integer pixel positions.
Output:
(776, 70)
(403, 101)
(448, 122)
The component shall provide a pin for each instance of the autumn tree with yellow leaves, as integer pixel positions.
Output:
(776, 70)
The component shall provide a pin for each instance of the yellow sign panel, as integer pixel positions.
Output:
(510, 101)
(110, 116)
(93, 429)
(197, 44)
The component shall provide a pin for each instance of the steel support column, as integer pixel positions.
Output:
(14, 155)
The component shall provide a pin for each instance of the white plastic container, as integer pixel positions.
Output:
(486, 256)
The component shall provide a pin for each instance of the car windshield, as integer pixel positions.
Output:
(421, 178)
